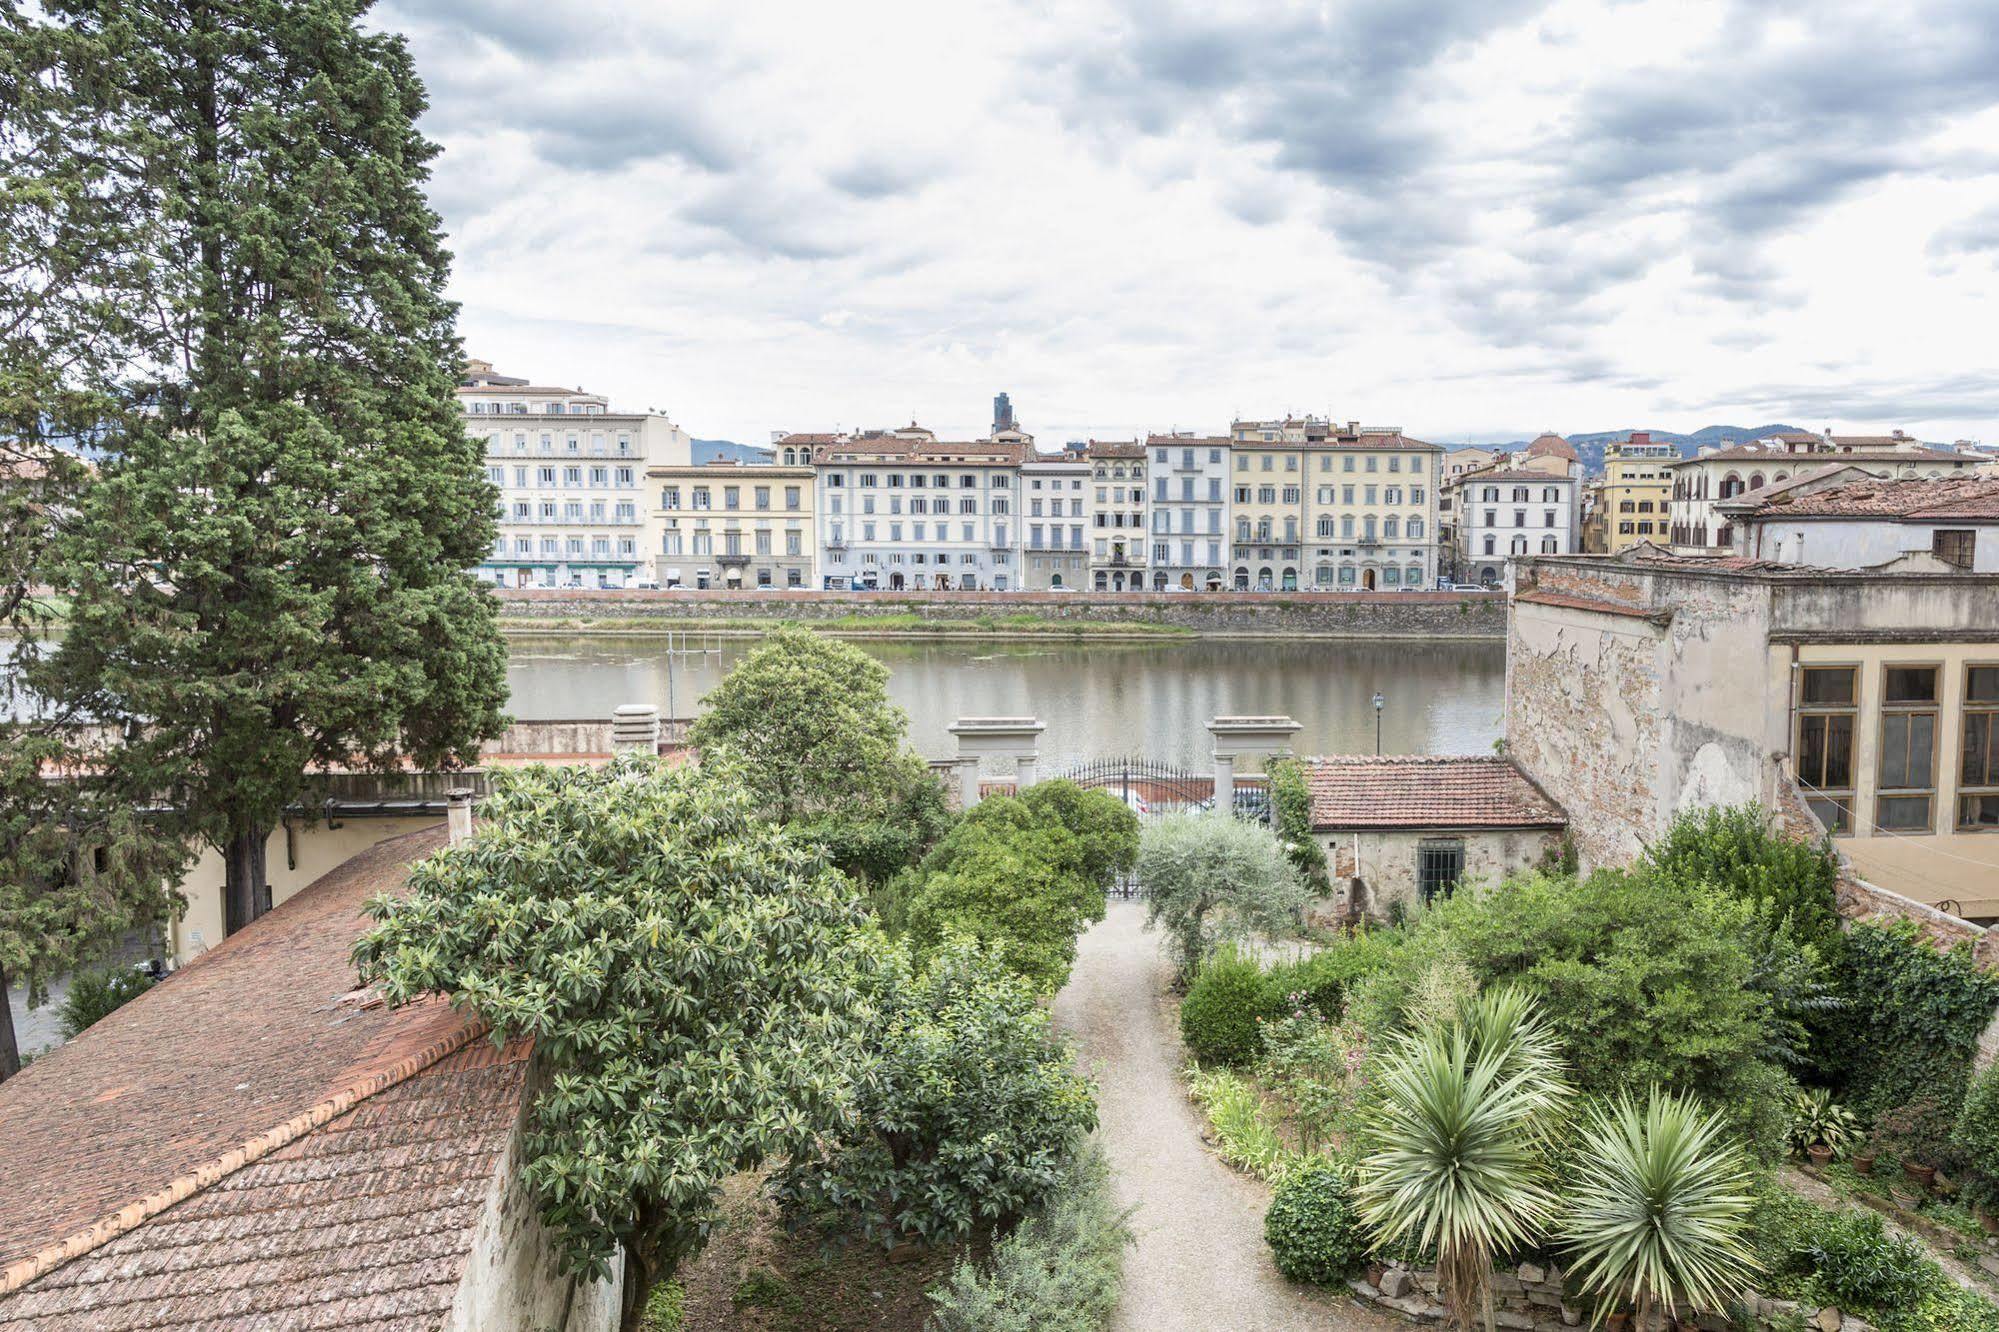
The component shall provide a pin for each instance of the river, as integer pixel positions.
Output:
(1098, 700)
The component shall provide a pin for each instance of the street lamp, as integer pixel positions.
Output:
(1379, 701)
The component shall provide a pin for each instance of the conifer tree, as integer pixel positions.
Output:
(230, 259)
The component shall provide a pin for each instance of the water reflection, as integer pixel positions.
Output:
(1097, 700)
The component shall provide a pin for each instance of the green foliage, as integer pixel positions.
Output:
(666, 1310)
(1221, 1017)
(1211, 878)
(1858, 1265)
(1976, 1134)
(1314, 1232)
(1816, 1119)
(874, 840)
(1291, 799)
(1326, 978)
(1454, 1156)
(810, 718)
(1025, 874)
(695, 979)
(1245, 1134)
(96, 994)
(1919, 1130)
(1657, 1214)
(1732, 848)
(241, 286)
(1644, 981)
(1058, 1271)
(1912, 1020)
(967, 1115)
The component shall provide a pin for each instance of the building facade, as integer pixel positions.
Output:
(1844, 519)
(1055, 550)
(1637, 491)
(571, 474)
(1120, 543)
(1190, 511)
(1725, 473)
(903, 510)
(1352, 509)
(733, 527)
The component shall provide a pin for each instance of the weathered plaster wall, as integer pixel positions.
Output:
(1333, 614)
(1386, 863)
(512, 1282)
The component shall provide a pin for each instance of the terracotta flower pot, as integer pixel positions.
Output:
(1618, 1322)
(1988, 1222)
(1919, 1174)
(1863, 1162)
(1820, 1154)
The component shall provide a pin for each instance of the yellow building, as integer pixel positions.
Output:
(1315, 506)
(733, 526)
(1637, 493)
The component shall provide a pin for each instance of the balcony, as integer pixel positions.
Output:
(734, 561)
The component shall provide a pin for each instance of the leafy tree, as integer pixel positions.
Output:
(1657, 1213)
(1212, 877)
(1912, 1017)
(1454, 1156)
(969, 1116)
(876, 839)
(1291, 800)
(695, 978)
(1025, 874)
(269, 571)
(1732, 848)
(95, 995)
(810, 716)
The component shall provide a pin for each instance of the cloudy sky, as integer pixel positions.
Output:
(1471, 218)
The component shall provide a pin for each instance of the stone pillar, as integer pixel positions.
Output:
(1000, 737)
(968, 782)
(635, 729)
(458, 815)
(1224, 783)
(1023, 771)
(1236, 737)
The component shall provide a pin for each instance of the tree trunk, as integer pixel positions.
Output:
(10, 1049)
(637, 1291)
(246, 893)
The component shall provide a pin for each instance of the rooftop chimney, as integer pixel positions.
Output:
(635, 729)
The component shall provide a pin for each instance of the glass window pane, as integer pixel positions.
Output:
(1910, 684)
(1981, 684)
(1978, 811)
(1828, 684)
(1895, 751)
(1903, 813)
(1836, 815)
(1981, 755)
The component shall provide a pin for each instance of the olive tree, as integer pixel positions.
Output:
(1212, 877)
(694, 978)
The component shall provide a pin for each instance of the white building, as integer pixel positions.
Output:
(1525, 504)
(1717, 474)
(1118, 530)
(1845, 519)
(1055, 552)
(571, 475)
(903, 510)
(1190, 511)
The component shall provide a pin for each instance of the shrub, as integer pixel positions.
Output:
(966, 1116)
(1858, 1265)
(1326, 978)
(1060, 1269)
(1211, 878)
(94, 995)
(1312, 1228)
(1733, 849)
(1976, 1134)
(1919, 1130)
(1220, 1017)
(1245, 1137)
(1912, 1022)
(1817, 1118)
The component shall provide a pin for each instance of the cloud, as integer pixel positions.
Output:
(1975, 235)
(878, 176)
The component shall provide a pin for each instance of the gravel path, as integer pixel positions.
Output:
(1200, 1261)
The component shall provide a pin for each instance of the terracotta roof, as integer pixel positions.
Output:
(811, 438)
(923, 450)
(248, 1136)
(1114, 448)
(1551, 445)
(1964, 497)
(1759, 452)
(1426, 791)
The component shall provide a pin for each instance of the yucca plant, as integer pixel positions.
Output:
(1659, 1214)
(1455, 1151)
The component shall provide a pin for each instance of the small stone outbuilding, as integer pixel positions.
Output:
(1404, 828)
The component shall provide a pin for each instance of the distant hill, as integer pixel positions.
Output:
(712, 450)
(1589, 445)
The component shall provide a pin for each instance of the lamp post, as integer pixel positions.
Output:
(1379, 702)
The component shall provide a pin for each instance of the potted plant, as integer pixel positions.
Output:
(1919, 1130)
(1820, 1127)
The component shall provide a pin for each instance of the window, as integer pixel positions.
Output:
(1906, 774)
(1955, 546)
(1440, 863)
(1978, 774)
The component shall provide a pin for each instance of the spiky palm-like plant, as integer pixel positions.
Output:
(1455, 1158)
(1659, 1214)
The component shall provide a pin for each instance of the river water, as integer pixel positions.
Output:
(1098, 700)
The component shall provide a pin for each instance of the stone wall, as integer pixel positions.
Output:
(1237, 614)
(1387, 864)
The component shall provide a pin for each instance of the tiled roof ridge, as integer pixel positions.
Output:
(1411, 758)
(135, 1214)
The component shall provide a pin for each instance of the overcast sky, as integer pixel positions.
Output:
(1470, 218)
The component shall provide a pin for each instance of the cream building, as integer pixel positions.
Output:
(1347, 509)
(1637, 491)
(1120, 543)
(571, 474)
(901, 509)
(733, 526)
(1716, 474)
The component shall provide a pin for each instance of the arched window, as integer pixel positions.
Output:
(790, 457)
(1264, 581)
(1731, 486)
(1756, 480)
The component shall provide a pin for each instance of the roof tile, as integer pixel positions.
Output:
(1426, 791)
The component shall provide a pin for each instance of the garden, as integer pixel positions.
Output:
(1674, 1091)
